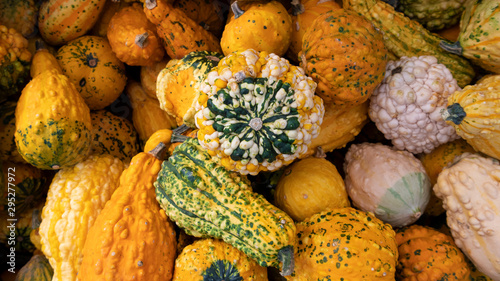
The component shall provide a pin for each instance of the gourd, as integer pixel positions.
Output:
(207, 13)
(345, 244)
(133, 38)
(53, 125)
(473, 112)
(470, 194)
(62, 21)
(345, 55)
(15, 62)
(303, 14)
(167, 137)
(206, 200)
(144, 247)
(20, 15)
(478, 39)
(100, 28)
(431, 14)
(147, 116)
(76, 197)
(43, 60)
(178, 84)
(310, 186)
(262, 26)
(149, 76)
(212, 259)
(180, 33)
(406, 37)
(113, 135)
(256, 112)
(388, 182)
(38, 268)
(8, 148)
(95, 70)
(435, 161)
(427, 254)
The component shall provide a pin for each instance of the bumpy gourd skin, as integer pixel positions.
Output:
(53, 125)
(345, 55)
(76, 197)
(433, 15)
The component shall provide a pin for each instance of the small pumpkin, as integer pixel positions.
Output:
(133, 38)
(212, 259)
(91, 65)
(37, 268)
(149, 76)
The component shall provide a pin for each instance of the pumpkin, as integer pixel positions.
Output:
(95, 70)
(479, 38)
(145, 245)
(427, 254)
(207, 13)
(24, 183)
(473, 112)
(17, 234)
(147, 115)
(20, 15)
(310, 186)
(8, 148)
(178, 84)
(206, 200)
(345, 55)
(149, 76)
(303, 14)
(261, 26)
(406, 37)
(76, 197)
(133, 38)
(435, 161)
(257, 112)
(345, 244)
(390, 183)
(15, 62)
(37, 268)
(43, 60)
(431, 14)
(211, 259)
(53, 125)
(113, 135)
(62, 21)
(180, 33)
(470, 194)
(100, 28)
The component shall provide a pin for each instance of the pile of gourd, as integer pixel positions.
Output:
(250, 140)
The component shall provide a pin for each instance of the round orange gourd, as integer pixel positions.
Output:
(133, 37)
(310, 186)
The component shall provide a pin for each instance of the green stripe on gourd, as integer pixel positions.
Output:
(206, 200)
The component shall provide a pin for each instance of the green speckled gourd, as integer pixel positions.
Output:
(206, 200)
(406, 37)
(432, 14)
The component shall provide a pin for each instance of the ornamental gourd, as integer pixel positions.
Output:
(390, 183)
(473, 112)
(345, 55)
(37, 269)
(431, 14)
(20, 15)
(213, 259)
(345, 244)
(206, 200)
(469, 188)
(210, 14)
(76, 197)
(53, 125)
(178, 84)
(8, 148)
(95, 70)
(257, 112)
(145, 241)
(43, 60)
(149, 76)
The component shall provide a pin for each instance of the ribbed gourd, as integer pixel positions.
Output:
(132, 238)
(213, 259)
(473, 112)
(345, 244)
(53, 125)
(433, 15)
(38, 268)
(406, 37)
(76, 197)
(206, 200)
(8, 148)
(257, 112)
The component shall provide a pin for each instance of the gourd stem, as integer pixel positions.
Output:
(39, 45)
(297, 7)
(150, 4)
(180, 130)
(454, 113)
(454, 48)
(393, 3)
(141, 39)
(178, 138)
(320, 153)
(35, 219)
(159, 151)
(285, 256)
(236, 10)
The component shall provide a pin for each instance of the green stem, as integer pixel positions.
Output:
(454, 113)
(285, 256)
(454, 48)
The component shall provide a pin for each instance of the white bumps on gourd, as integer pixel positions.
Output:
(470, 190)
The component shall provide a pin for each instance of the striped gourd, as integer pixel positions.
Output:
(206, 200)
(405, 37)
